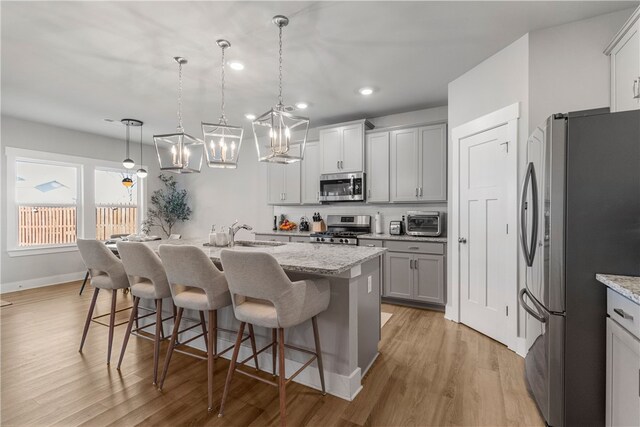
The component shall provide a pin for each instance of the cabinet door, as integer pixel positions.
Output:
(352, 148)
(404, 162)
(331, 149)
(428, 284)
(275, 183)
(398, 275)
(377, 155)
(311, 174)
(623, 377)
(433, 163)
(292, 180)
(625, 70)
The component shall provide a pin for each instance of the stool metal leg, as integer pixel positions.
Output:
(84, 282)
(89, 316)
(112, 320)
(204, 329)
(210, 356)
(232, 368)
(252, 338)
(156, 344)
(316, 337)
(134, 314)
(282, 378)
(274, 349)
(174, 337)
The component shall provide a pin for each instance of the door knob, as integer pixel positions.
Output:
(462, 240)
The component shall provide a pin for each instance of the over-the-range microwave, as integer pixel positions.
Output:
(342, 187)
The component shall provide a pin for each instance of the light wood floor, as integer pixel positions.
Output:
(430, 372)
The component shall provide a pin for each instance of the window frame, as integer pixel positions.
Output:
(138, 198)
(85, 200)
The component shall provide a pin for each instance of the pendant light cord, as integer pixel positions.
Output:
(180, 128)
(280, 67)
(223, 118)
(141, 146)
(127, 142)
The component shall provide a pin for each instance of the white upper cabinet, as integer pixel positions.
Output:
(418, 164)
(624, 53)
(311, 174)
(283, 182)
(377, 167)
(342, 147)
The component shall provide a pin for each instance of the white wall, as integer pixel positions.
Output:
(35, 270)
(568, 71)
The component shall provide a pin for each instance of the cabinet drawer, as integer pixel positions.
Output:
(624, 311)
(422, 247)
(271, 238)
(370, 243)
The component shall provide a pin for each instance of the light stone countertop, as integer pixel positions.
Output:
(325, 260)
(406, 237)
(295, 232)
(628, 286)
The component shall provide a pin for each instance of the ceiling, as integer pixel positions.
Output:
(72, 64)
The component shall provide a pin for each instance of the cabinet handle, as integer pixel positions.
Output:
(411, 264)
(636, 92)
(416, 191)
(620, 312)
(420, 191)
(341, 164)
(414, 248)
(369, 193)
(415, 264)
(318, 196)
(337, 164)
(371, 246)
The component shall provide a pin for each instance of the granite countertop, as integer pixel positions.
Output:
(387, 236)
(295, 232)
(326, 260)
(627, 286)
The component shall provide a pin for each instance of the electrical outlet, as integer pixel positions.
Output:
(369, 284)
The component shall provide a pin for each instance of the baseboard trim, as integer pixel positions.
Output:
(520, 347)
(41, 282)
(342, 386)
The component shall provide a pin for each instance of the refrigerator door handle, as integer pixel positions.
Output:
(523, 213)
(528, 309)
(536, 212)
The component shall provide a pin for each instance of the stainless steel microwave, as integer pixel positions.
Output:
(342, 187)
(418, 223)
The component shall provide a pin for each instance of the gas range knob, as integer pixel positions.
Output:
(331, 240)
(322, 239)
(343, 241)
(317, 239)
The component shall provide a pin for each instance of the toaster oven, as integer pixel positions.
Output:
(419, 223)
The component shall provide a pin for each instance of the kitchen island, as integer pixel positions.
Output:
(349, 328)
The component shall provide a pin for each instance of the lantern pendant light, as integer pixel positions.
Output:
(280, 136)
(179, 152)
(127, 162)
(141, 172)
(221, 141)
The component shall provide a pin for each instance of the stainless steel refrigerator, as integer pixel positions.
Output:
(579, 215)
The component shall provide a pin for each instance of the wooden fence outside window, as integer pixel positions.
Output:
(55, 225)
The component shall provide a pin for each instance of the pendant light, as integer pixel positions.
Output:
(142, 172)
(221, 141)
(179, 152)
(127, 162)
(279, 135)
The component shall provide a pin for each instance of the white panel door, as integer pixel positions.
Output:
(311, 174)
(405, 162)
(377, 155)
(483, 234)
(352, 148)
(623, 377)
(625, 69)
(433, 156)
(331, 149)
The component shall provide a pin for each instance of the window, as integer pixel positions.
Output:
(54, 199)
(47, 196)
(116, 204)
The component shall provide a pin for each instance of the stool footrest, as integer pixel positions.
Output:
(256, 377)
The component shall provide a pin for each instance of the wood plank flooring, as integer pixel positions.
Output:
(430, 372)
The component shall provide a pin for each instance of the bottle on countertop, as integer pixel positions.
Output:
(378, 223)
(212, 235)
(275, 223)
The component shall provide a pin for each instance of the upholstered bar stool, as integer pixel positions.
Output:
(197, 284)
(148, 280)
(107, 272)
(263, 295)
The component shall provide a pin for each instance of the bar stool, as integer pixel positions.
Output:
(197, 284)
(148, 280)
(263, 295)
(107, 272)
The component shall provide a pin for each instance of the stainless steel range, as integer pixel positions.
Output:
(343, 229)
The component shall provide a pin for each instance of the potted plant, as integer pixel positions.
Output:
(168, 206)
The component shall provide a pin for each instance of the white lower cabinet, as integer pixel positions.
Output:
(623, 376)
(414, 276)
(272, 238)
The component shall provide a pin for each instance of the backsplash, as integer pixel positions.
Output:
(388, 212)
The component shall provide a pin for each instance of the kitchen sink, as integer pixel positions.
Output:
(258, 244)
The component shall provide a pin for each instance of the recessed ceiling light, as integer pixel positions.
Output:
(366, 91)
(250, 116)
(235, 65)
(109, 120)
(301, 105)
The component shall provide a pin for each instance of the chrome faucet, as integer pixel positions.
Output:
(234, 229)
